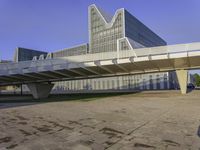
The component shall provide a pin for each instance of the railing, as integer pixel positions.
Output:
(13, 66)
(135, 52)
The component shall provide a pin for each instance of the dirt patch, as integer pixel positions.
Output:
(21, 117)
(111, 132)
(5, 139)
(170, 142)
(12, 146)
(140, 145)
(55, 124)
(23, 123)
(43, 128)
(25, 132)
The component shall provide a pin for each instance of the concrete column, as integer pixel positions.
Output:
(40, 90)
(182, 79)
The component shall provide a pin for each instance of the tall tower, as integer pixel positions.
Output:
(104, 30)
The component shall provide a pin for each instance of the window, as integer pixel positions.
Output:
(107, 36)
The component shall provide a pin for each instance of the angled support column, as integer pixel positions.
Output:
(40, 90)
(182, 76)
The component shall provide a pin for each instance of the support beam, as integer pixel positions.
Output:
(34, 77)
(78, 72)
(116, 63)
(98, 63)
(40, 90)
(62, 74)
(16, 78)
(138, 67)
(5, 79)
(122, 68)
(48, 75)
(182, 76)
(92, 71)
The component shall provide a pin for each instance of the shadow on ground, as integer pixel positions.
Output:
(7, 101)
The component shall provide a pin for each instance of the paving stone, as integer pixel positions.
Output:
(162, 120)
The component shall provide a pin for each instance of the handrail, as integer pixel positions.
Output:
(141, 52)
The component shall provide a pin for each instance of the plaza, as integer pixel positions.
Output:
(161, 120)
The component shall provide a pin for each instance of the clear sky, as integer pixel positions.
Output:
(55, 24)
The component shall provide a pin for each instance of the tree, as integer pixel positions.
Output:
(197, 79)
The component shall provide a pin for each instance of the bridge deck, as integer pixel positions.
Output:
(144, 60)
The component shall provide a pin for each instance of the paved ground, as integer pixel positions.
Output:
(149, 120)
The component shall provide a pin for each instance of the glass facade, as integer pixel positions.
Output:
(140, 33)
(123, 45)
(24, 54)
(103, 35)
(129, 82)
(74, 51)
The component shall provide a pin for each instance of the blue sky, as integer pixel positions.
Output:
(55, 24)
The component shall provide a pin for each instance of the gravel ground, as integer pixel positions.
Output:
(149, 120)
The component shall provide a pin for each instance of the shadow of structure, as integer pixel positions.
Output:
(9, 101)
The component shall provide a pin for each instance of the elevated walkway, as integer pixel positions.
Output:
(180, 58)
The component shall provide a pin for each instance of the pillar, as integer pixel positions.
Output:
(182, 76)
(40, 90)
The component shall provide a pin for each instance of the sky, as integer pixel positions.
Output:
(51, 25)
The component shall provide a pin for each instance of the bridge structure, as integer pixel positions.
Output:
(39, 74)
